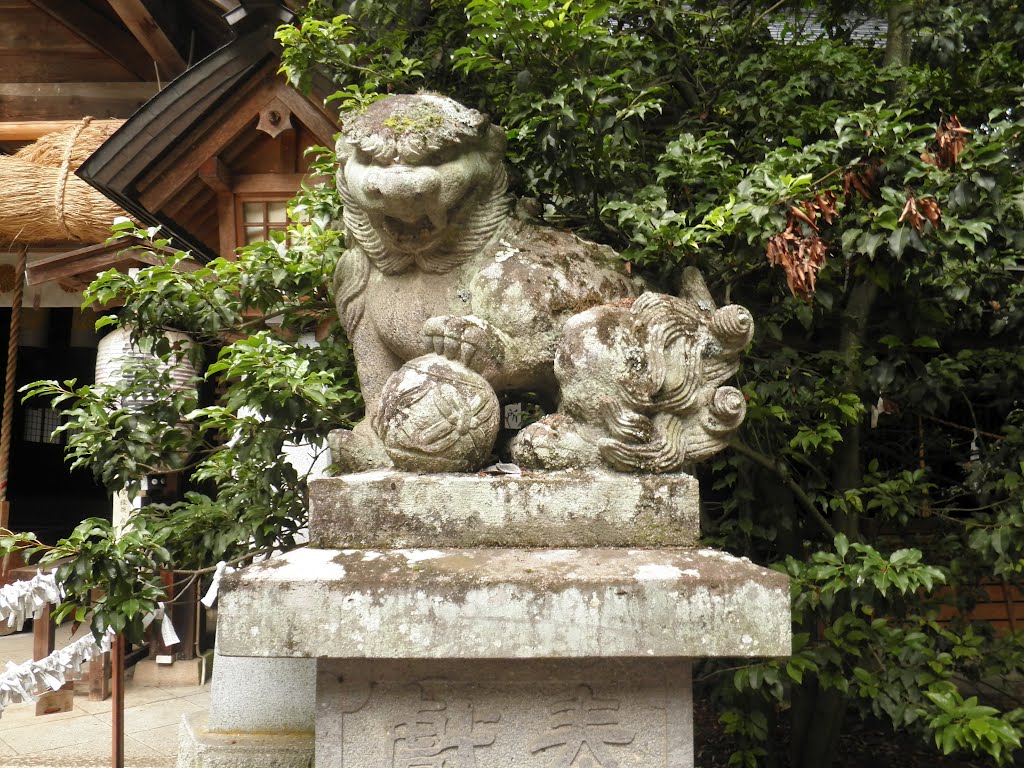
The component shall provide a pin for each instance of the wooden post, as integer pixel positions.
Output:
(163, 654)
(117, 706)
(43, 640)
(100, 672)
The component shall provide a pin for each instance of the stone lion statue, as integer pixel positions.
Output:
(436, 264)
(450, 301)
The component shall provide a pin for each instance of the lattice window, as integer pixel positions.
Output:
(39, 426)
(259, 217)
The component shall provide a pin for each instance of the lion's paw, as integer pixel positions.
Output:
(468, 340)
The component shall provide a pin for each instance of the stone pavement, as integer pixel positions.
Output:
(82, 738)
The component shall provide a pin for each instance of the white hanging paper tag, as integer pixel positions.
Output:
(167, 633)
(211, 594)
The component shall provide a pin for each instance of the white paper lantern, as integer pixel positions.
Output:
(116, 352)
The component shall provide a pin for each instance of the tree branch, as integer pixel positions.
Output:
(782, 473)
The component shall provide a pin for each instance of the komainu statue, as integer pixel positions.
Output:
(450, 301)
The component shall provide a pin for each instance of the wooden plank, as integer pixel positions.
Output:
(143, 26)
(101, 33)
(90, 266)
(268, 184)
(30, 130)
(288, 151)
(995, 612)
(85, 262)
(30, 101)
(30, 29)
(59, 66)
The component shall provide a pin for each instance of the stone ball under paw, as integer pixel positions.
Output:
(437, 415)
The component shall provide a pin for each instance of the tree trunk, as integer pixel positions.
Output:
(899, 39)
(817, 722)
(847, 469)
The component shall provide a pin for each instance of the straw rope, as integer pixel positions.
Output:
(12, 368)
(49, 150)
(43, 201)
(62, 179)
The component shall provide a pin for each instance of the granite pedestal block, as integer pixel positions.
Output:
(592, 508)
(504, 604)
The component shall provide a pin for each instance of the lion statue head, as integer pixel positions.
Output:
(423, 182)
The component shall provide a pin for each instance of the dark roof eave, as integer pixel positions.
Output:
(116, 166)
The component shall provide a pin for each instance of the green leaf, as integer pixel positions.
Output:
(898, 241)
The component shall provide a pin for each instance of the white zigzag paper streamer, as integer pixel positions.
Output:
(27, 682)
(25, 600)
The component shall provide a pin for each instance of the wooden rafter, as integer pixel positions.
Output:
(101, 33)
(144, 27)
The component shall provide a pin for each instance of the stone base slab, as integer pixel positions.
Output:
(504, 603)
(181, 673)
(619, 713)
(547, 509)
(201, 748)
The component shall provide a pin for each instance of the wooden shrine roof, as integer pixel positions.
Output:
(151, 165)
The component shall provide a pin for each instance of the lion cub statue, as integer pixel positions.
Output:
(450, 301)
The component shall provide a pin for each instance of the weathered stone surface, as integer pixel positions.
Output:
(201, 748)
(628, 713)
(640, 384)
(262, 695)
(505, 603)
(555, 509)
(437, 415)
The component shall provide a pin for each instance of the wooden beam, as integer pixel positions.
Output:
(101, 33)
(143, 26)
(216, 176)
(268, 183)
(30, 130)
(72, 265)
(320, 124)
(30, 101)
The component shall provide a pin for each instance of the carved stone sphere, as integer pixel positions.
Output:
(437, 415)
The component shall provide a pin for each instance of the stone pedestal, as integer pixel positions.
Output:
(624, 712)
(436, 648)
